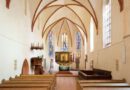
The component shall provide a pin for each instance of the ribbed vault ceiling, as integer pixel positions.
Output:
(62, 13)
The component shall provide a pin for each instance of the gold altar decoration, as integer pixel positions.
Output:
(63, 58)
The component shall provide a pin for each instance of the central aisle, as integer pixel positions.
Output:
(65, 83)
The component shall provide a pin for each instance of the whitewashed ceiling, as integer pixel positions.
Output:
(76, 13)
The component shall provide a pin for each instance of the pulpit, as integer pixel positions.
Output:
(36, 65)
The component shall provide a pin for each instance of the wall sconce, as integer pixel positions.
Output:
(36, 46)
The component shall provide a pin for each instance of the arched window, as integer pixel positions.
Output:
(78, 41)
(91, 35)
(106, 23)
(50, 45)
(64, 42)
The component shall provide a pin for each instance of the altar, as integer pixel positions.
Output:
(64, 59)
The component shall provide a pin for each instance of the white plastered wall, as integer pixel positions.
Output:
(115, 58)
(15, 31)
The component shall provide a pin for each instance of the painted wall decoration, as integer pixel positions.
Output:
(50, 45)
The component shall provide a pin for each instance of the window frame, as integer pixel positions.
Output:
(107, 9)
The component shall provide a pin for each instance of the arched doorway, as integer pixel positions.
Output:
(25, 68)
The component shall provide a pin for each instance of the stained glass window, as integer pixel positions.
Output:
(107, 23)
(64, 42)
(78, 41)
(50, 45)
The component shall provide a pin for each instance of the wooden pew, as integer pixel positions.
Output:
(28, 87)
(37, 77)
(106, 87)
(29, 82)
(53, 82)
(33, 79)
(101, 81)
(91, 85)
(25, 86)
(30, 78)
(104, 84)
(44, 75)
(39, 82)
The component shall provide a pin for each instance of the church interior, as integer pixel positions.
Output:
(64, 44)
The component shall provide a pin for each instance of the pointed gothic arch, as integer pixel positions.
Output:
(25, 68)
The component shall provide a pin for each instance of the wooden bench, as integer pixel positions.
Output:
(47, 75)
(20, 87)
(29, 82)
(102, 85)
(53, 80)
(35, 80)
(38, 76)
(106, 87)
(25, 86)
(39, 79)
(101, 81)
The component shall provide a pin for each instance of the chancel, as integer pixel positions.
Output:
(64, 44)
(64, 59)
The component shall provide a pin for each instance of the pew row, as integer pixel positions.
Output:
(3, 87)
(30, 82)
(102, 85)
(26, 86)
(36, 76)
(24, 82)
(102, 81)
(45, 77)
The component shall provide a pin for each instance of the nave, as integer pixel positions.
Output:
(42, 41)
(61, 81)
